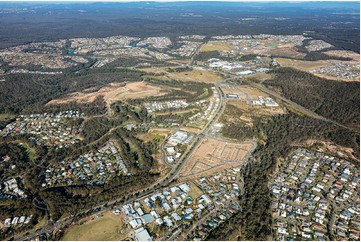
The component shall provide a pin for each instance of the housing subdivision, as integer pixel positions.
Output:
(185, 211)
(93, 167)
(316, 197)
(46, 129)
(209, 110)
(168, 105)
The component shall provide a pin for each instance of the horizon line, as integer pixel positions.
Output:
(151, 1)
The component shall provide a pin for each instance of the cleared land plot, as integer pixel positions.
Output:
(219, 46)
(312, 66)
(245, 93)
(195, 76)
(195, 191)
(211, 155)
(344, 53)
(112, 93)
(301, 64)
(196, 130)
(107, 228)
(273, 48)
(252, 92)
(259, 76)
(255, 110)
(286, 51)
(4, 116)
(152, 134)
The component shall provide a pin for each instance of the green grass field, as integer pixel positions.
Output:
(195, 192)
(104, 228)
(4, 116)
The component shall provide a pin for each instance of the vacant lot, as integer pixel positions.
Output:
(245, 93)
(344, 53)
(310, 66)
(259, 76)
(219, 46)
(211, 155)
(107, 228)
(152, 134)
(247, 111)
(195, 75)
(302, 65)
(112, 93)
(251, 92)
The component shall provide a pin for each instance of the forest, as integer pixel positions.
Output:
(336, 100)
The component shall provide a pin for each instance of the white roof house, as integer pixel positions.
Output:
(166, 206)
(185, 187)
(140, 211)
(147, 218)
(154, 214)
(135, 223)
(206, 199)
(176, 216)
(142, 234)
(167, 221)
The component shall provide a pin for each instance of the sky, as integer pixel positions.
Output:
(178, 0)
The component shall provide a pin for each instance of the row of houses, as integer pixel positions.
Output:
(98, 167)
(167, 105)
(169, 208)
(16, 221)
(310, 189)
(209, 112)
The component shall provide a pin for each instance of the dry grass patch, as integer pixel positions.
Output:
(344, 53)
(271, 48)
(333, 78)
(255, 110)
(112, 93)
(308, 66)
(195, 191)
(259, 76)
(195, 75)
(216, 45)
(330, 147)
(301, 64)
(192, 129)
(251, 92)
(155, 134)
(106, 228)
